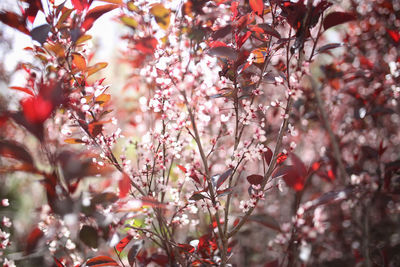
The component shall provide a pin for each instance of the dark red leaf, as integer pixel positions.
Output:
(31, 12)
(95, 13)
(299, 165)
(268, 155)
(3, 119)
(14, 150)
(255, 179)
(104, 199)
(160, 259)
(124, 186)
(101, 261)
(40, 33)
(257, 6)
(291, 175)
(197, 196)
(33, 238)
(88, 235)
(266, 220)
(122, 244)
(218, 180)
(133, 251)
(222, 32)
(327, 47)
(274, 263)
(15, 21)
(336, 18)
(224, 192)
(223, 51)
(269, 30)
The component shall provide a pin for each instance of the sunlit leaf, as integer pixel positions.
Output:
(129, 21)
(73, 141)
(102, 99)
(258, 55)
(101, 261)
(95, 13)
(64, 16)
(96, 67)
(162, 15)
(257, 6)
(79, 61)
(83, 39)
(123, 243)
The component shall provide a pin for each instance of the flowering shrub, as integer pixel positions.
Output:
(249, 137)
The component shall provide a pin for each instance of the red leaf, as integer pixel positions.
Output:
(133, 251)
(101, 261)
(33, 239)
(160, 259)
(124, 186)
(394, 35)
(16, 151)
(255, 179)
(299, 165)
(216, 44)
(268, 156)
(95, 13)
(31, 12)
(242, 39)
(336, 18)
(3, 119)
(22, 89)
(281, 158)
(182, 168)
(122, 244)
(257, 6)
(291, 176)
(36, 109)
(13, 20)
(80, 4)
(186, 247)
(58, 262)
(146, 45)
